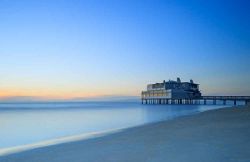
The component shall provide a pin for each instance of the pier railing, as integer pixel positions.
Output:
(225, 97)
(199, 100)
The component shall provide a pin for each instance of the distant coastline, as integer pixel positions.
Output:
(26, 99)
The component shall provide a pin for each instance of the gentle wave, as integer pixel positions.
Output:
(17, 149)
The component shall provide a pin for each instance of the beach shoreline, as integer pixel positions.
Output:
(87, 135)
(213, 135)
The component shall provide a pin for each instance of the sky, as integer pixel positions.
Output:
(76, 48)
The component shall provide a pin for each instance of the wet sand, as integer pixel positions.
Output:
(212, 136)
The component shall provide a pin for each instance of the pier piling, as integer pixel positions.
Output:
(202, 100)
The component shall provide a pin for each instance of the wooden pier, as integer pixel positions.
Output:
(214, 100)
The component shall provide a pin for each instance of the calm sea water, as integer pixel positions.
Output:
(26, 123)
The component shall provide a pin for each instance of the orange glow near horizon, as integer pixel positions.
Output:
(56, 93)
(47, 94)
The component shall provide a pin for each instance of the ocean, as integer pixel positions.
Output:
(28, 123)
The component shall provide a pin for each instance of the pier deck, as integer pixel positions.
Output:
(201, 100)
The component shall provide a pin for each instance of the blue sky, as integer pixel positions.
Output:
(74, 48)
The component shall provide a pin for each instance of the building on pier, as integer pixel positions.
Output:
(173, 90)
(177, 92)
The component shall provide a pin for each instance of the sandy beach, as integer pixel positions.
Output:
(212, 136)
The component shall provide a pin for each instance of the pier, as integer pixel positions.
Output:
(204, 100)
(178, 92)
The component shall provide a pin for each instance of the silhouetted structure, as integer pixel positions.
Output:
(177, 92)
